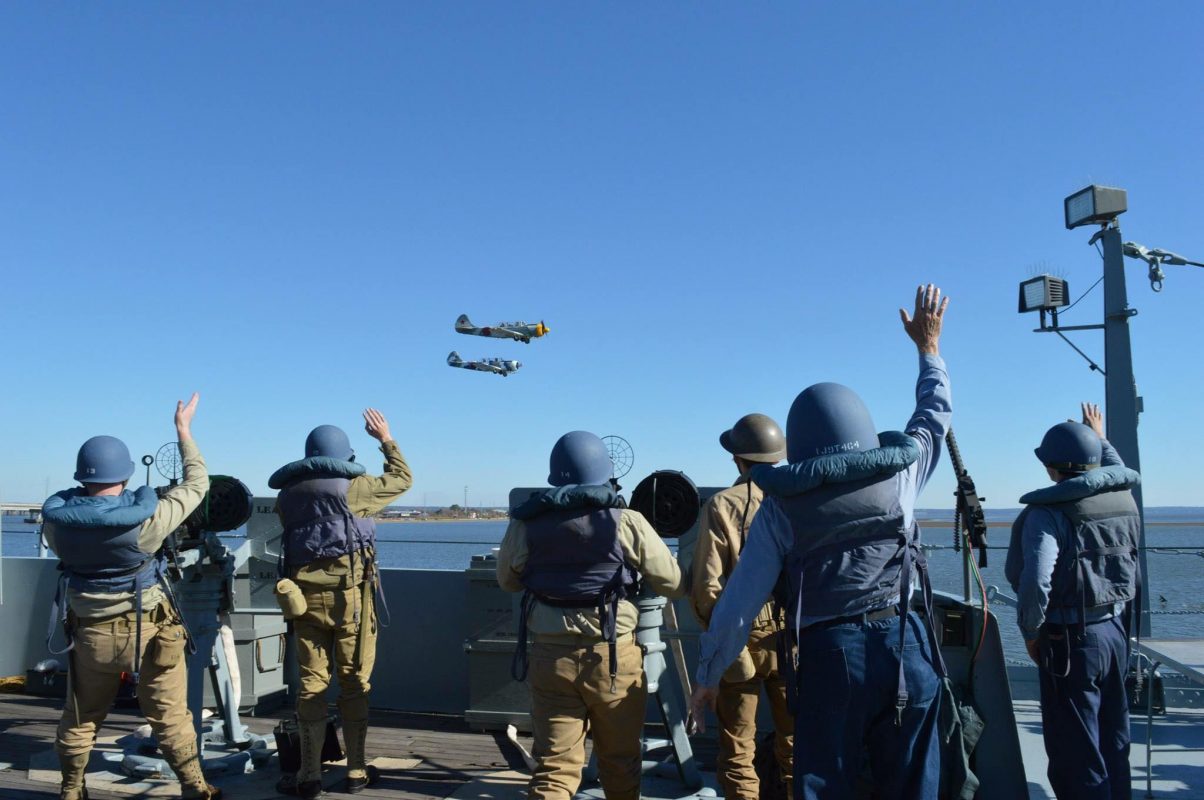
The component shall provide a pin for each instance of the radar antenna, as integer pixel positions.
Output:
(169, 462)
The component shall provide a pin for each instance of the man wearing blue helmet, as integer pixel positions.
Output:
(577, 552)
(117, 617)
(1073, 563)
(838, 524)
(329, 580)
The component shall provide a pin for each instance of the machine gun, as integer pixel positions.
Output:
(968, 515)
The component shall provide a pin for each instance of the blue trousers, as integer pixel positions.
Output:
(1085, 715)
(848, 676)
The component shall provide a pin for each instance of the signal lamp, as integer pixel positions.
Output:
(1043, 293)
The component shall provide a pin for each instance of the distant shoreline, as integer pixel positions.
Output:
(948, 523)
(441, 519)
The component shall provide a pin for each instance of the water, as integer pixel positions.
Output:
(1176, 580)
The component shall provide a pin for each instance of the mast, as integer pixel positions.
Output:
(1122, 403)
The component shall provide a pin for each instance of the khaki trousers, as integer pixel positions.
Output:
(737, 712)
(328, 641)
(104, 650)
(570, 691)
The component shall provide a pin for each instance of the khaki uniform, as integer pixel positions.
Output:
(570, 672)
(104, 626)
(723, 527)
(336, 636)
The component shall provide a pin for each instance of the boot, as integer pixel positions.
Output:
(309, 777)
(73, 768)
(185, 762)
(359, 775)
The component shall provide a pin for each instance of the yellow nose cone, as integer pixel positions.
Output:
(541, 329)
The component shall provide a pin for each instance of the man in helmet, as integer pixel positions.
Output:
(117, 616)
(1073, 563)
(838, 523)
(326, 504)
(577, 553)
(723, 529)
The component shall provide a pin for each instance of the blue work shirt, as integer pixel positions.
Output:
(1047, 533)
(770, 538)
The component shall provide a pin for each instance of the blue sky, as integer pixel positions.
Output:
(285, 206)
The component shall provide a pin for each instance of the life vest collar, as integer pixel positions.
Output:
(315, 467)
(74, 507)
(896, 452)
(1103, 479)
(565, 498)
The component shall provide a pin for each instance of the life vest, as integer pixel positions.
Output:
(96, 540)
(574, 560)
(1101, 567)
(851, 550)
(312, 503)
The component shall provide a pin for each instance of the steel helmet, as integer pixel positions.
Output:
(329, 441)
(755, 437)
(103, 459)
(579, 457)
(828, 418)
(1070, 447)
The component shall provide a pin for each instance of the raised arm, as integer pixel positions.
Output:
(179, 501)
(370, 494)
(930, 421)
(1093, 418)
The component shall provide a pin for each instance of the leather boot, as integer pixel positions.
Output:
(309, 776)
(359, 775)
(185, 762)
(73, 768)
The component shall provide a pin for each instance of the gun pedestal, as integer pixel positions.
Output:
(665, 688)
(203, 593)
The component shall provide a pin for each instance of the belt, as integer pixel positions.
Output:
(127, 619)
(858, 619)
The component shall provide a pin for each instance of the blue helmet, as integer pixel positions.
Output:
(579, 457)
(103, 459)
(1070, 447)
(329, 441)
(828, 418)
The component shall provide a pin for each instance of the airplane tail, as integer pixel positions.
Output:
(453, 359)
(464, 323)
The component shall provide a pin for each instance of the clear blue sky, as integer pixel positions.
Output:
(286, 205)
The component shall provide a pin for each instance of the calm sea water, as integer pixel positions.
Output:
(1176, 580)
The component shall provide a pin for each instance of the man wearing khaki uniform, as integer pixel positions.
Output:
(108, 541)
(577, 552)
(724, 525)
(326, 504)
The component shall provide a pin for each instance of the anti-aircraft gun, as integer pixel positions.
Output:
(200, 584)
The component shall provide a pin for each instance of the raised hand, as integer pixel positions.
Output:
(376, 425)
(924, 325)
(1093, 418)
(184, 414)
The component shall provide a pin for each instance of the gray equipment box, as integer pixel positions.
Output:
(495, 699)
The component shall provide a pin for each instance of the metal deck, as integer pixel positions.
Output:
(427, 756)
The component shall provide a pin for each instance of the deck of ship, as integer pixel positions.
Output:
(428, 756)
(447, 753)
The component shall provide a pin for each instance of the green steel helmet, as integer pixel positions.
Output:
(1070, 447)
(825, 419)
(103, 459)
(329, 441)
(755, 437)
(579, 457)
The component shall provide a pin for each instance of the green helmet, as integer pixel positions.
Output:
(755, 437)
